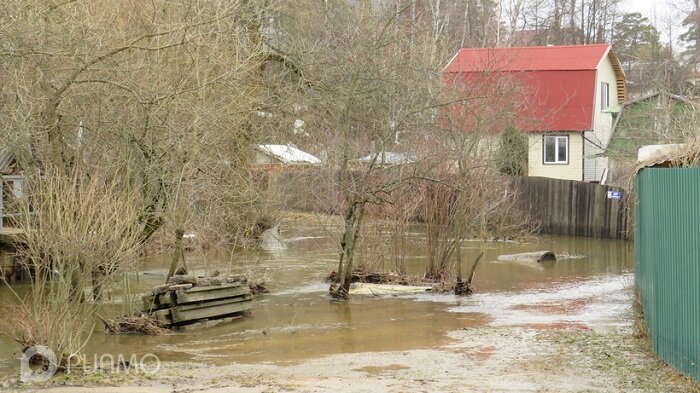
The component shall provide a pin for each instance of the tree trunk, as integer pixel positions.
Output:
(178, 254)
(353, 221)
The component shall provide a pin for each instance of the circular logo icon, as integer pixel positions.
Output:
(150, 363)
(45, 366)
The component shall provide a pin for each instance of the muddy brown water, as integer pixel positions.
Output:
(297, 320)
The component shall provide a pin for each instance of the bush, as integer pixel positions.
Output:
(511, 157)
(80, 232)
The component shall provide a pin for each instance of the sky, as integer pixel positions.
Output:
(646, 7)
(662, 9)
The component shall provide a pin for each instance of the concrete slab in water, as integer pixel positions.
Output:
(386, 289)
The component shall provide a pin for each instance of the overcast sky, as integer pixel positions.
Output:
(644, 6)
(662, 9)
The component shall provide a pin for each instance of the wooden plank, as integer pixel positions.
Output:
(214, 287)
(193, 306)
(180, 316)
(198, 294)
(207, 323)
(163, 316)
(164, 299)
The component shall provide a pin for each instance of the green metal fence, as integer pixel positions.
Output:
(667, 256)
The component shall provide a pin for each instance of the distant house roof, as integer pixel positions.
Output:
(7, 160)
(288, 154)
(388, 158)
(644, 121)
(655, 94)
(557, 83)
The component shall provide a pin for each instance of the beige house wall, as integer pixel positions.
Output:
(603, 119)
(573, 170)
(598, 139)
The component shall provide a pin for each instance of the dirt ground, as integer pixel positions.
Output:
(522, 359)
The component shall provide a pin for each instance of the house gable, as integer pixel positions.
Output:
(621, 87)
(605, 110)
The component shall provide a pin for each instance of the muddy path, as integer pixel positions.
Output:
(486, 359)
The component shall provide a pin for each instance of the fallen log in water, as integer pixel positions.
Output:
(535, 256)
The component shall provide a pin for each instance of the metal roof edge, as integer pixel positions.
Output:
(450, 62)
(605, 56)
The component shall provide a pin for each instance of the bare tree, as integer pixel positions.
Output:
(127, 118)
(558, 22)
(373, 89)
(164, 92)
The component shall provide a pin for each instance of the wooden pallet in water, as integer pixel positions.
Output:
(182, 305)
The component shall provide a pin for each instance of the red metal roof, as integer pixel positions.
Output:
(529, 58)
(554, 85)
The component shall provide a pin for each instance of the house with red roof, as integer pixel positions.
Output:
(564, 98)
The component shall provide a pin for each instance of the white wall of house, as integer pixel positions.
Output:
(572, 170)
(597, 141)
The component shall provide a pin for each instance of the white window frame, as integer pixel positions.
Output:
(604, 96)
(556, 138)
(16, 184)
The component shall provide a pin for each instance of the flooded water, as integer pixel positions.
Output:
(297, 320)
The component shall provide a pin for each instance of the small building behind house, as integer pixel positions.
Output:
(269, 156)
(12, 186)
(648, 120)
(286, 173)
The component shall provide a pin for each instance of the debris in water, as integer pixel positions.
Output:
(462, 288)
(188, 300)
(363, 276)
(140, 324)
(535, 256)
(257, 288)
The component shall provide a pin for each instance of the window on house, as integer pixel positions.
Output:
(604, 96)
(556, 149)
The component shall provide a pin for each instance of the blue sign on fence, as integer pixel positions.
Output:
(615, 195)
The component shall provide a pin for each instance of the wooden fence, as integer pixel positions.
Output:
(561, 207)
(567, 207)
